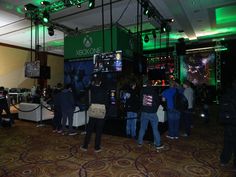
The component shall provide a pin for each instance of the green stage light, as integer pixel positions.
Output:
(45, 17)
(146, 38)
(91, 4)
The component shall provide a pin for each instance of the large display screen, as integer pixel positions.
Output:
(198, 68)
(108, 62)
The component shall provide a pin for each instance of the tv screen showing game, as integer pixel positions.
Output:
(198, 68)
(108, 62)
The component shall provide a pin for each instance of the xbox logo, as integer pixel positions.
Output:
(88, 41)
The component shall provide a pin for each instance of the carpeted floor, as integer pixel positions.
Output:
(30, 151)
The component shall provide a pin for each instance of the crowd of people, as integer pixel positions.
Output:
(140, 104)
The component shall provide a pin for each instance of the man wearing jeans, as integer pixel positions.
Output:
(173, 115)
(149, 106)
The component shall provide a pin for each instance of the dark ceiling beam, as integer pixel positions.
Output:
(82, 11)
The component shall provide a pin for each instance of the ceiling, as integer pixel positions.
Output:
(195, 20)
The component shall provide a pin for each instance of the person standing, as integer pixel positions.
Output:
(173, 115)
(228, 118)
(56, 122)
(132, 107)
(99, 95)
(149, 105)
(187, 114)
(4, 106)
(67, 106)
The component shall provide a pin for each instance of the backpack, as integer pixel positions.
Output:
(180, 101)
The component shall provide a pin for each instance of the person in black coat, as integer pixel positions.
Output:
(228, 118)
(67, 106)
(99, 95)
(149, 104)
(132, 108)
(56, 121)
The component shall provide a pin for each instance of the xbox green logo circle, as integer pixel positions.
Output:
(88, 41)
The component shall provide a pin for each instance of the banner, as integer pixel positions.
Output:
(87, 44)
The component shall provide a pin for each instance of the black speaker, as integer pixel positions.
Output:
(45, 72)
(180, 47)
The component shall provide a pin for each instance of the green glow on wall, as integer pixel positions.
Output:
(218, 33)
(225, 15)
(56, 43)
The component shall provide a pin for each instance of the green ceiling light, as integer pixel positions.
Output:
(225, 15)
(45, 17)
(91, 4)
(146, 38)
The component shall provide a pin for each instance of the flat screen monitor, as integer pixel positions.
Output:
(32, 69)
(108, 62)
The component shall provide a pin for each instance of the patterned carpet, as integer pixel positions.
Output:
(30, 151)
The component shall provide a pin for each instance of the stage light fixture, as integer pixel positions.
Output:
(45, 17)
(146, 8)
(68, 3)
(163, 27)
(50, 31)
(171, 20)
(45, 3)
(78, 4)
(30, 7)
(146, 38)
(91, 4)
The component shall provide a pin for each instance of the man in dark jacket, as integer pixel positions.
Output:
(98, 96)
(57, 109)
(67, 105)
(149, 105)
(228, 118)
(132, 107)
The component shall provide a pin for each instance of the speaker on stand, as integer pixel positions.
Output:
(180, 47)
